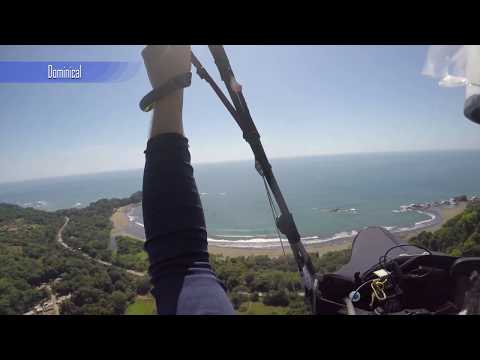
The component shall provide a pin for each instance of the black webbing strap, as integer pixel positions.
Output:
(177, 82)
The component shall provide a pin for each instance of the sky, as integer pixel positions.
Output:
(305, 100)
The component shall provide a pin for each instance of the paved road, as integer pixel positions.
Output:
(53, 298)
(106, 263)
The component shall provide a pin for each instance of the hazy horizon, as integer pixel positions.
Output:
(238, 160)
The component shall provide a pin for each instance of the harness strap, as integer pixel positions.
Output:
(175, 83)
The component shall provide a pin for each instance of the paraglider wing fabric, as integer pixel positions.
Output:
(368, 246)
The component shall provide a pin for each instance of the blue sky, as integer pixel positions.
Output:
(305, 100)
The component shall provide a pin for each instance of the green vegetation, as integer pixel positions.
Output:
(459, 236)
(130, 254)
(96, 289)
(30, 256)
(260, 285)
(89, 228)
(27, 256)
(258, 308)
(143, 305)
(272, 282)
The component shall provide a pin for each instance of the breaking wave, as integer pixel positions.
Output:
(263, 241)
(272, 242)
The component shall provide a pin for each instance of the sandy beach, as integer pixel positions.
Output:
(122, 226)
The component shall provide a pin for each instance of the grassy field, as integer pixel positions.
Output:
(258, 308)
(143, 305)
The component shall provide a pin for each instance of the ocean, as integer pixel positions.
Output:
(365, 189)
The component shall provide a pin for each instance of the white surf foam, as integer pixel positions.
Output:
(419, 224)
(389, 228)
(259, 241)
(275, 242)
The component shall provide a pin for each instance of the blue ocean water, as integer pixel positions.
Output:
(236, 205)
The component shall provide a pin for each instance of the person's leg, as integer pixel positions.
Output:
(176, 237)
(189, 290)
(176, 233)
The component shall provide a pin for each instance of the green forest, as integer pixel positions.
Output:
(130, 254)
(30, 256)
(89, 228)
(260, 285)
(459, 236)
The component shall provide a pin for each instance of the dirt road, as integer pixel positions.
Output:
(105, 263)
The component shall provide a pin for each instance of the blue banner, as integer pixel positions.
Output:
(66, 72)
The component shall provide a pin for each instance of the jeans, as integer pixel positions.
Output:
(176, 236)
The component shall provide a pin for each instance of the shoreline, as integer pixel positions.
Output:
(122, 226)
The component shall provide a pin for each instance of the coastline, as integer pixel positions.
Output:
(124, 227)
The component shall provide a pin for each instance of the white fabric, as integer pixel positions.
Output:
(455, 65)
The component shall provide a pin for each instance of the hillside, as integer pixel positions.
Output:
(459, 236)
(34, 267)
(32, 262)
